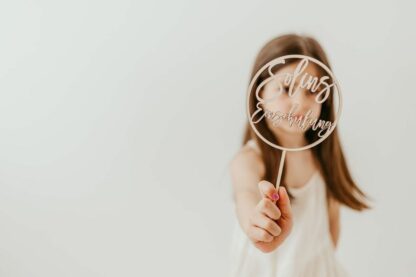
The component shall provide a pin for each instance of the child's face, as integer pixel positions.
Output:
(302, 97)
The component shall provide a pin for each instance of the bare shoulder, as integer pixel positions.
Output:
(247, 161)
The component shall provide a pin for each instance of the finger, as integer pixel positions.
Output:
(258, 234)
(284, 203)
(269, 208)
(268, 190)
(267, 224)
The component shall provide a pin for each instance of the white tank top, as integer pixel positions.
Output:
(307, 252)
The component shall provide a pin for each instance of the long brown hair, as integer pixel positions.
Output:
(328, 153)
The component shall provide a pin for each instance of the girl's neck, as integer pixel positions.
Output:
(289, 140)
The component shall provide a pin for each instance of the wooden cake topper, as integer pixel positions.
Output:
(280, 95)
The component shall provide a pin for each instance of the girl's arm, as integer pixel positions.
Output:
(263, 212)
(246, 170)
(334, 220)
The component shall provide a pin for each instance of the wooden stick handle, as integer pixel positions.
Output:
(279, 176)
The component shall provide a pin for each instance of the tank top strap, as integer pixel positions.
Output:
(252, 143)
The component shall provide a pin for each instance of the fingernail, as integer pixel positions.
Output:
(275, 196)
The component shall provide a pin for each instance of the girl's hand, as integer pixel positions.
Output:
(271, 221)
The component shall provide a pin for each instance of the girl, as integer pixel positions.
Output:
(292, 231)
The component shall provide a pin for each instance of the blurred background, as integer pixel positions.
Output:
(118, 120)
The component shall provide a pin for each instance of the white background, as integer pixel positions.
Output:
(118, 120)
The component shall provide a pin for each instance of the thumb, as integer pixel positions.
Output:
(267, 190)
(284, 203)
